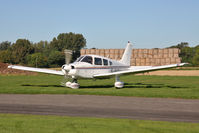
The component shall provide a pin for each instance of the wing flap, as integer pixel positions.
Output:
(32, 69)
(140, 70)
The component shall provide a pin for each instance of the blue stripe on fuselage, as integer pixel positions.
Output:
(112, 67)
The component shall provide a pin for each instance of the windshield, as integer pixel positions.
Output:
(78, 59)
(87, 59)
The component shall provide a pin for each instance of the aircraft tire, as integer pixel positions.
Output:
(119, 85)
(74, 85)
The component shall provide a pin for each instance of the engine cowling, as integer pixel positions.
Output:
(66, 67)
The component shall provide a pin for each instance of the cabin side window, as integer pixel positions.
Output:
(87, 59)
(98, 61)
(110, 63)
(105, 62)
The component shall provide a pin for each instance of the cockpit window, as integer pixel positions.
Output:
(98, 61)
(105, 62)
(79, 58)
(87, 59)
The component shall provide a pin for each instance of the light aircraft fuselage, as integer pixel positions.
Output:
(89, 65)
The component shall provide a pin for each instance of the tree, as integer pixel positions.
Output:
(70, 41)
(20, 50)
(197, 46)
(181, 45)
(41, 46)
(37, 60)
(6, 56)
(187, 54)
(195, 59)
(24, 52)
(56, 59)
(5, 45)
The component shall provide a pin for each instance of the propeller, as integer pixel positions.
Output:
(68, 56)
(66, 67)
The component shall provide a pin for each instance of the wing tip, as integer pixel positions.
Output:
(182, 64)
(10, 66)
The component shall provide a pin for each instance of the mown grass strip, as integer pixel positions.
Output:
(15, 123)
(139, 86)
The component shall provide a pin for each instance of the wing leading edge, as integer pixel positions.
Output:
(140, 70)
(36, 70)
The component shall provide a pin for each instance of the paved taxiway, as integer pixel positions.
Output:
(164, 109)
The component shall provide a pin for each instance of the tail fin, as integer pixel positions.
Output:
(126, 58)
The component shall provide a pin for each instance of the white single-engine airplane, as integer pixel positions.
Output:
(93, 66)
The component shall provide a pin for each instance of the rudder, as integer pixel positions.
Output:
(126, 58)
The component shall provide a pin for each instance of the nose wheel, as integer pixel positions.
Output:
(74, 84)
(118, 84)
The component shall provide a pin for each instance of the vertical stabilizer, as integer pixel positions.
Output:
(126, 58)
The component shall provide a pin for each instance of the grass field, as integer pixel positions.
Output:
(140, 86)
(184, 68)
(14, 123)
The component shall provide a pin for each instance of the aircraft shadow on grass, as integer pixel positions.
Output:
(41, 85)
(134, 85)
(127, 85)
(145, 85)
(81, 87)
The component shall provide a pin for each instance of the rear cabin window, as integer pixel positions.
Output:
(98, 61)
(87, 59)
(105, 62)
(110, 63)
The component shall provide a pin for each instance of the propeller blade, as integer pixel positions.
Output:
(68, 56)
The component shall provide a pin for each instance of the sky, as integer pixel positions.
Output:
(104, 23)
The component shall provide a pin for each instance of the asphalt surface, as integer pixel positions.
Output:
(102, 106)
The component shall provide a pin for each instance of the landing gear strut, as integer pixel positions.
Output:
(118, 84)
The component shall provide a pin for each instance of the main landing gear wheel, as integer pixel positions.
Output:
(118, 84)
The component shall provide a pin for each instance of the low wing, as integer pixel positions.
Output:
(36, 70)
(136, 70)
